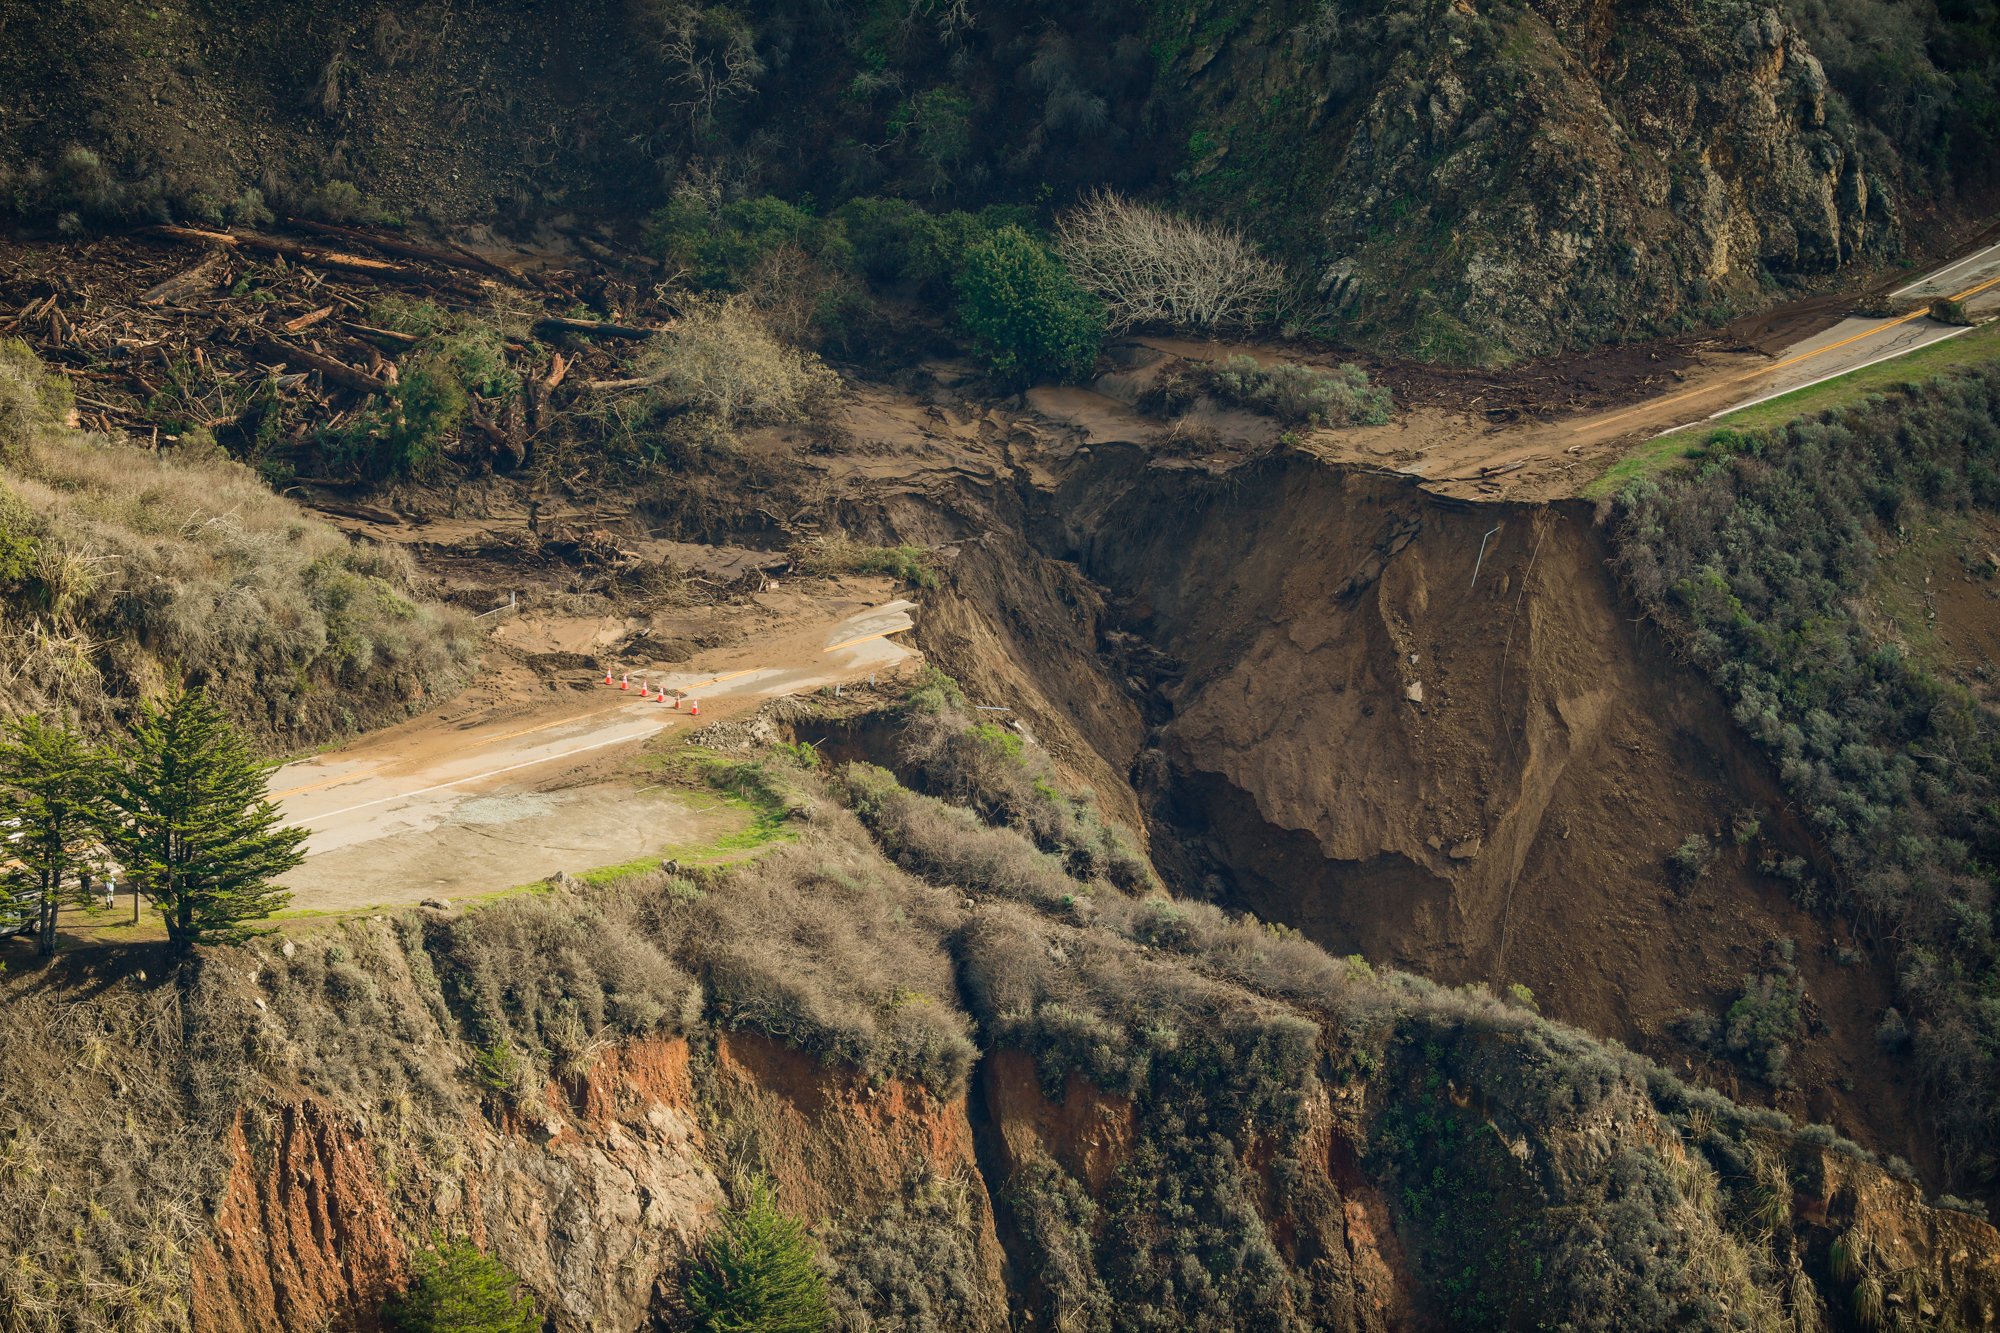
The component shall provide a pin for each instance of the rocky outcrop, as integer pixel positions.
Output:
(596, 1195)
(1506, 181)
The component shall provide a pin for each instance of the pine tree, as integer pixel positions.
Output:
(52, 795)
(758, 1274)
(460, 1290)
(200, 836)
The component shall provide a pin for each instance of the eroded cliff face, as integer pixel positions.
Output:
(593, 1194)
(1427, 733)
(598, 1206)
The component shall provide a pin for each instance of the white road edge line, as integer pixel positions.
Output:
(1932, 277)
(489, 773)
(1801, 388)
(1839, 374)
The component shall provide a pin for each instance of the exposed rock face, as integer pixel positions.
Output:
(603, 1196)
(597, 1195)
(1504, 181)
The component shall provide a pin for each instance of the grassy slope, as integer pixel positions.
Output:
(124, 570)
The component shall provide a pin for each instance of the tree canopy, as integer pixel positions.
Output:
(52, 802)
(199, 834)
(759, 1273)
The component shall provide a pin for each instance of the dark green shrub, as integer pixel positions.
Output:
(17, 543)
(1763, 1022)
(896, 243)
(716, 244)
(758, 1272)
(1030, 319)
(460, 1290)
(1691, 860)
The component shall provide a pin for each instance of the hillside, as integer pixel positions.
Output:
(1193, 666)
(996, 1091)
(1462, 182)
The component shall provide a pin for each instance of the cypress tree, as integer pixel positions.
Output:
(52, 794)
(199, 836)
(758, 1274)
(460, 1290)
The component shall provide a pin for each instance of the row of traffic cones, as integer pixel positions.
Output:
(624, 682)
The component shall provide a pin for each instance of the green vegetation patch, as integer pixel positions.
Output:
(1755, 563)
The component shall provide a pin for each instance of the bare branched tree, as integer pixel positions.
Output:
(951, 17)
(710, 53)
(1155, 267)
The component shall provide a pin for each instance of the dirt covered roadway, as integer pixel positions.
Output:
(1543, 431)
(1460, 456)
(523, 776)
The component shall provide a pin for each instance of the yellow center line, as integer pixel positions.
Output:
(1772, 369)
(717, 680)
(866, 638)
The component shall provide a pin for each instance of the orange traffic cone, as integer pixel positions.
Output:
(625, 681)
(694, 708)
(677, 703)
(607, 675)
(663, 697)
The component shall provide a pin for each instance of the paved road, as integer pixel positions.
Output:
(1859, 342)
(1853, 344)
(440, 808)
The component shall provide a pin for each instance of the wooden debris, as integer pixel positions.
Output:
(333, 372)
(456, 257)
(558, 367)
(591, 328)
(308, 320)
(354, 265)
(388, 337)
(183, 284)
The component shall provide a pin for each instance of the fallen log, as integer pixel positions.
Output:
(306, 321)
(592, 328)
(359, 266)
(274, 352)
(182, 284)
(388, 337)
(457, 257)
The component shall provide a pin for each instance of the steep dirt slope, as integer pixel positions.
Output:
(1336, 710)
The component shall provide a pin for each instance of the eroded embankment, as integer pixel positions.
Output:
(1428, 732)
(1001, 1079)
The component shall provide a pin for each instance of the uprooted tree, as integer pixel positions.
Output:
(197, 832)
